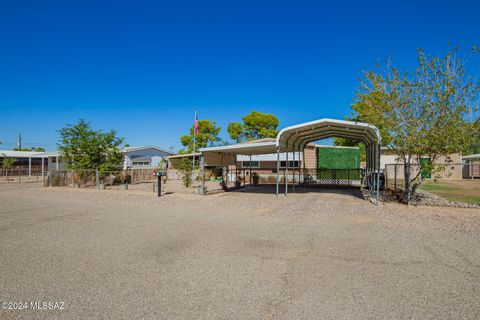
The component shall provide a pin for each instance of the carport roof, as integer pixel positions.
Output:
(245, 148)
(295, 137)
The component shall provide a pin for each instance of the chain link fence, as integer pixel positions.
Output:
(99, 179)
(229, 178)
(452, 182)
(22, 175)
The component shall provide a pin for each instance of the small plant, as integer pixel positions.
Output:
(185, 167)
(187, 179)
(7, 164)
(255, 178)
(238, 181)
(123, 178)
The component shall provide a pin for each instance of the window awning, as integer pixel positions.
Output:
(245, 148)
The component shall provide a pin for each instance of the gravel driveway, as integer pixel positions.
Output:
(239, 255)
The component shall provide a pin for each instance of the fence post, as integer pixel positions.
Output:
(97, 180)
(409, 184)
(395, 179)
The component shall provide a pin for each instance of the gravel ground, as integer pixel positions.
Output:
(324, 254)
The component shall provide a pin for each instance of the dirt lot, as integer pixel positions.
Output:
(323, 254)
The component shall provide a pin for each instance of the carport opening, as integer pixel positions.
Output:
(294, 159)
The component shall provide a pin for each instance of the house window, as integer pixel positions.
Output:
(248, 164)
(283, 164)
(141, 163)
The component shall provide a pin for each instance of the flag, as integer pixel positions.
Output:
(195, 127)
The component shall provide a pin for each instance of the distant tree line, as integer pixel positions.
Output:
(255, 125)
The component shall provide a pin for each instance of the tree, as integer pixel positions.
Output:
(235, 130)
(7, 164)
(256, 125)
(351, 142)
(425, 113)
(207, 136)
(38, 149)
(347, 142)
(83, 148)
(473, 148)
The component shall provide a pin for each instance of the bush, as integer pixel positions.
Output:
(187, 179)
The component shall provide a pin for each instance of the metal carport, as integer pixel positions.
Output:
(295, 138)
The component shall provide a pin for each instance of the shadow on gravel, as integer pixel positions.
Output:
(270, 189)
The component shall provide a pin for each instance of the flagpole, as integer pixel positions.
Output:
(194, 132)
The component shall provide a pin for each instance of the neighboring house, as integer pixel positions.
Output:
(32, 162)
(36, 162)
(453, 165)
(144, 157)
(471, 166)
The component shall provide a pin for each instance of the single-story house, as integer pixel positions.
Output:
(452, 162)
(265, 165)
(471, 166)
(145, 157)
(32, 162)
(259, 162)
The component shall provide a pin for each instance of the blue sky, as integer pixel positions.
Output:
(144, 67)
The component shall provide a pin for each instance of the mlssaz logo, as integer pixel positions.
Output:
(36, 305)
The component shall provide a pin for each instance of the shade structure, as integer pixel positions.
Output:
(296, 137)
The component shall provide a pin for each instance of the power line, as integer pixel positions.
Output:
(28, 142)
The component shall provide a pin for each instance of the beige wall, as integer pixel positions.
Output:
(217, 159)
(453, 167)
(310, 157)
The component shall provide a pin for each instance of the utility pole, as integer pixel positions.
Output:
(19, 143)
(195, 131)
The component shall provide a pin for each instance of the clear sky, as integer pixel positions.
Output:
(143, 67)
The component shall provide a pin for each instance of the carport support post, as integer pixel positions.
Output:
(286, 173)
(250, 173)
(304, 166)
(293, 185)
(43, 171)
(278, 169)
(97, 180)
(29, 166)
(202, 161)
(378, 174)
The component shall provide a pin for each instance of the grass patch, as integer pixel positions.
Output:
(461, 191)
